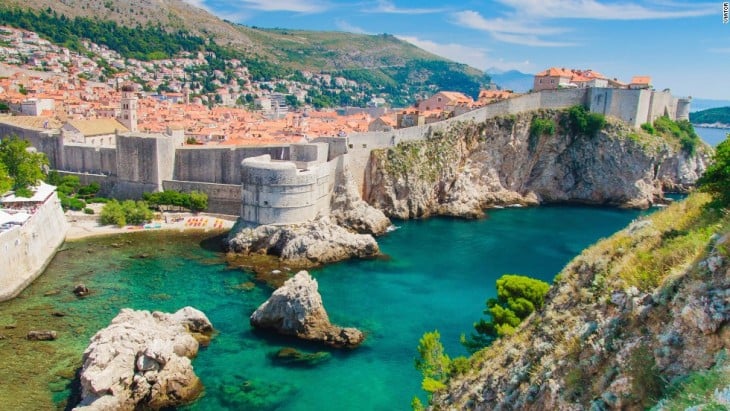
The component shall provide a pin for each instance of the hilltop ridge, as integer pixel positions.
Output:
(383, 61)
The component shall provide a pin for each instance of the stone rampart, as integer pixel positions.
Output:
(25, 251)
(219, 165)
(222, 198)
(82, 158)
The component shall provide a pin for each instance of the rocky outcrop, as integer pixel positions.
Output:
(351, 212)
(296, 309)
(303, 245)
(472, 166)
(142, 361)
(628, 315)
(346, 233)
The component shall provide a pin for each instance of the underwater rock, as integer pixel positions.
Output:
(296, 309)
(81, 291)
(292, 356)
(42, 335)
(142, 360)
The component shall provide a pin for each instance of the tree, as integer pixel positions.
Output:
(6, 182)
(517, 297)
(432, 362)
(716, 179)
(22, 164)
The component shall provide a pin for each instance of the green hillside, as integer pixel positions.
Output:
(155, 29)
(711, 116)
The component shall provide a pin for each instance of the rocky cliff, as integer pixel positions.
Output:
(472, 166)
(623, 324)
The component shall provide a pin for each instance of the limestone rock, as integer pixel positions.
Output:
(308, 244)
(142, 360)
(81, 290)
(472, 166)
(351, 212)
(296, 309)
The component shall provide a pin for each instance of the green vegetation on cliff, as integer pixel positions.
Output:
(711, 116)
(517, 297)
(680, 130)
(716, 179)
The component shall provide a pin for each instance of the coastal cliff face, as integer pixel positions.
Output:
(628, 317)
(472, 166)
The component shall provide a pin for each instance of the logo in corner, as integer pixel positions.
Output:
(725, 12)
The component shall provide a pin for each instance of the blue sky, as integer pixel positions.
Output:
(683, 45)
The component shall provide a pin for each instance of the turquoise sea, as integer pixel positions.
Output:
(437, 275)
(712, 136)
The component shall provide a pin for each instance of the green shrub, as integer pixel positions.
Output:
(681, 131)
(542, 126)
(88, 211)
(432, 362)
(113, 213)
(580, 121)
(517, 297)
(648, 128)
(716, 179)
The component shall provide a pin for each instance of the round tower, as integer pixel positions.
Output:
(683, 105)
(128, 115)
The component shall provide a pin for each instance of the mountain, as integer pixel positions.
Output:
(717, 115)
(514, 80)
(383, 61)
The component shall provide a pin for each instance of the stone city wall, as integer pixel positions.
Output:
(222, 198)
(25, 251)
(219, 165)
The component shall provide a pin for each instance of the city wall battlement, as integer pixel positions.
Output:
(139, 162)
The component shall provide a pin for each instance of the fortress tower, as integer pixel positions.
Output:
(683, 106)
(128, 116)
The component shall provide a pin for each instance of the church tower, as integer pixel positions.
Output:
(128, 115)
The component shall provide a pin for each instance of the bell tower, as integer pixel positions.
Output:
(128, 115)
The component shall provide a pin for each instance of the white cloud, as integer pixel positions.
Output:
(514, 31)
(301, 6)
(350, 28)
(719, 50)
(386, 6)
(523, 23)
(473, 56)
(596, 10)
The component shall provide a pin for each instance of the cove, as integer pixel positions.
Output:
(437, 275)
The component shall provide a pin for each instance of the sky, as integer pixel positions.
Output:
(682, 45)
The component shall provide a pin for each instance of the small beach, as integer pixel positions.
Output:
(82, 226)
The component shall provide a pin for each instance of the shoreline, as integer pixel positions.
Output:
(84, 227)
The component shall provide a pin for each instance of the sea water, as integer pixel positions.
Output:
(436, 275)
(712, 136)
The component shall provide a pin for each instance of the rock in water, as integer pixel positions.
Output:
(296, 309)
(142, 360)
(81, 290)
(304, 245)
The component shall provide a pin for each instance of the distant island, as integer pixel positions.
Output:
(714, 117)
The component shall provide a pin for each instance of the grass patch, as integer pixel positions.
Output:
(698, 390)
